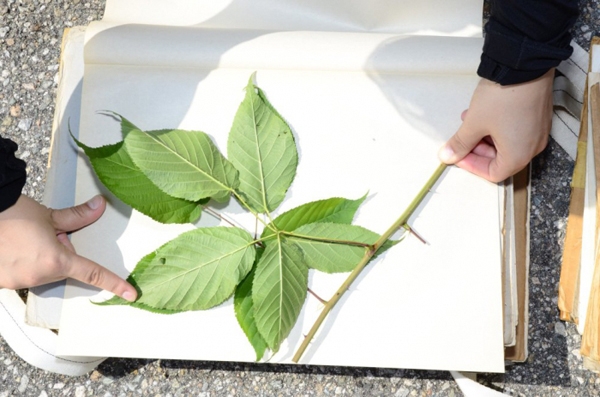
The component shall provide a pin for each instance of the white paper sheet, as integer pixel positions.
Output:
(357, 130)
(432, 17)
(44, 302)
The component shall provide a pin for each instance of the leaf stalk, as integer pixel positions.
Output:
(369, 253)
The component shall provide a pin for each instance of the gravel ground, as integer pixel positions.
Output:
(30, 35)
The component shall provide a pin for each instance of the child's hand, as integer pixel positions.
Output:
(35, 249)
(503, 129)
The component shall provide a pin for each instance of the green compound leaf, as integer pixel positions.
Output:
(332, 210)
(335, 257)
(244, 312)
(195, 271)
(262, 147)
(279, 290)
(183, 164)
(126, 181)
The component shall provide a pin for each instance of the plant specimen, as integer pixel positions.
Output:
(170, 176)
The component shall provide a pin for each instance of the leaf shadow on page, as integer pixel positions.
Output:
(65, 193)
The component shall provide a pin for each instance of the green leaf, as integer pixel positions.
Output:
(124, 179)
(334, 257)
(195, 271)
(279, 290)
(118, 301)
(244, 312)
(332, 210)
(262, 147)
(183, 164)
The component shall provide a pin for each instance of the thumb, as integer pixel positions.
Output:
(461, 144)
(74, 218)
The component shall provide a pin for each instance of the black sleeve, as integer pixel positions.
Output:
(12, 174)
(526, 38)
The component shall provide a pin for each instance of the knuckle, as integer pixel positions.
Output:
(94, 276)
(459, 143)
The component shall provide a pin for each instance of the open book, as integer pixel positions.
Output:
(371, 92)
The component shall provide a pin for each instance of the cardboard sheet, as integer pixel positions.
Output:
(588, 243)
(358, 129)
(521, 185)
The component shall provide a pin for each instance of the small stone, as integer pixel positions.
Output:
(23, 384)
(580, 380)
(338, 390)
(95, 375)
(577, 353)
(587, 35)
(535, 280)
(15, 110)
(401, 393)
(43, 394)
(28, 86)
(277, 384)
(107, 381)
(4, 31)
(44, 104)
(10, 41)
(24, 124)
(5, 123)
(80, 391)
(58, 386)
(560, 329)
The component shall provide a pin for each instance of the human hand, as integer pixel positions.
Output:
(503, 129)
(35, 249)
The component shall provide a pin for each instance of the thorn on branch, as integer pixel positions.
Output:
(414, 233)
(323, 301)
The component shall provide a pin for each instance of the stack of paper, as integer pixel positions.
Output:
(579, 289)
(371, 92)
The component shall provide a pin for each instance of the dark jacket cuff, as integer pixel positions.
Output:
(12, 174)
(509, 58)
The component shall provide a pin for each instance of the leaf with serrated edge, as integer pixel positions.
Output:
(183, 164)
(262, 147)
(115, 169)
(332, 210)
(244, 312)
(195, 271)
(334, 257)
(118, 301)
(279, 290)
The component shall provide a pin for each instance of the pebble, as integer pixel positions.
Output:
(402, 393)
(24, 124)
(560, 329)
(23, 384)
(15, 111)
(80, 391)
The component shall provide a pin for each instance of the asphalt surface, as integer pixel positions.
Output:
(30, 36)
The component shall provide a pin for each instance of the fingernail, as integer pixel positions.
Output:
(95, 202)
(128, 296)
(446, 154)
